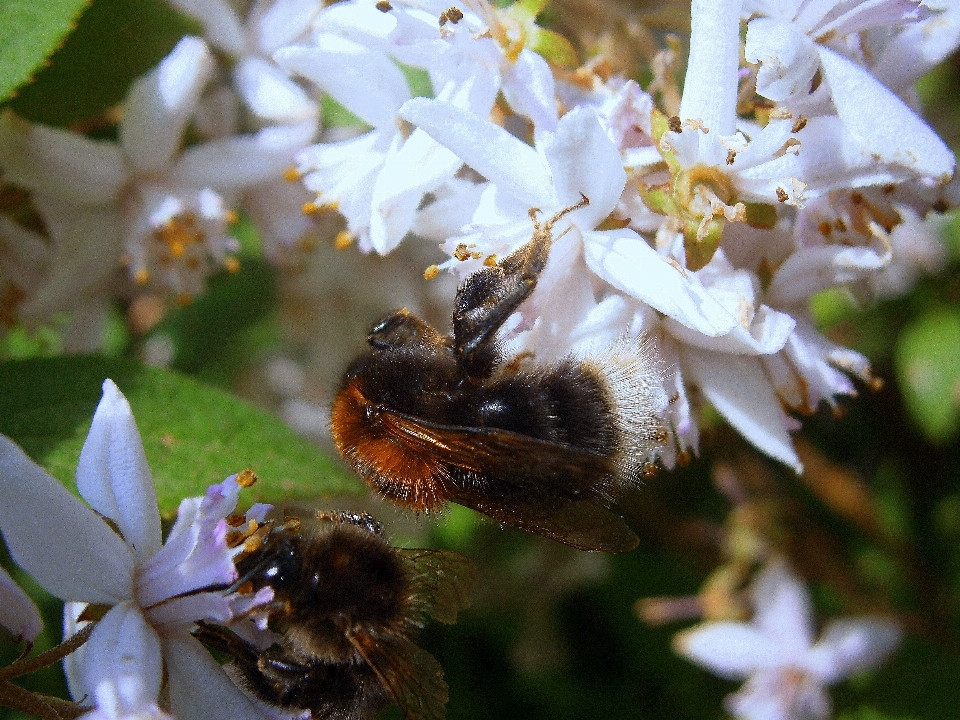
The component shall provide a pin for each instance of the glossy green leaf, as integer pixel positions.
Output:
(115, 42)
(30, 32)
(194, 435)
(927, 360)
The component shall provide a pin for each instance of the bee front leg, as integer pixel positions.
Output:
(488, 297)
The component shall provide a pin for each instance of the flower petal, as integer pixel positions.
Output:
(528, 87)
(63, 544)
(18, 614)
(364, 81)
(626, 261)
(221, 24)
(270, 93)
(710, 86)
(199, 688)
(740, 391)
(513, 166)
(881, 121)
(160, 103)
(122, 666)
(851, 645)
(787, 56)
(729, 649)
(782, 610)
(71, 167)
(114, 477)
(583, 159)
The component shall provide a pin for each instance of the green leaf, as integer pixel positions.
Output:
(927, 362)
(30, 32)
(194, 435)
(115, 42)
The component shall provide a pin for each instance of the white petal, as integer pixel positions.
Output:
(419, 166)
(729, 649)
(710, 86)
(528, 87)
(515, 167)
(782, 610)
(160, 103)
(270, 93)
(71, 167)
(18, 614)
(198, 686)
(583, 159)
(243, 160)
(851, 645)
(78, 267)
(364, 81)
(779, 694)
(122, 665)
(917, 49)
(61, 542)
(812, 269)
(766, 332)
(114, 477)
(787, 56)
(626, 261)
(283, 23)
(220, 22)
(881, 121)
(740, 390)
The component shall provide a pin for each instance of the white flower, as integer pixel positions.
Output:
(786, 671)
(153, 591)
(18, 614)
(265, 88)
(142, 197)
(793, 41)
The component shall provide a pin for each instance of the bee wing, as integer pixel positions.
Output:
(547, 488)
(582, 524)
(411, 675)
(442, 579)
(525, 459)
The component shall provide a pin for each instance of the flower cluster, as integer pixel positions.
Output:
(794, 161)
(108, 564)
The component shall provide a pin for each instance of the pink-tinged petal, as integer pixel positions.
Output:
(114, 477)
(779, 694)
(626, 261)
(881, 121)
(161, 102)
(729, 649)
(199, 688)
(787, 56)
(178, 615)
(513, 166)
(61, 542)
(528, 87)
(270, 93)
(851, 645)
(71, 167)
(221, 24)
(740, 390)
(710, 87)
(583, 159)
(122, 663)
(364, 81)
(282, 22)
(243, 160)
(18, 614)
(419, 166)
(782, 610)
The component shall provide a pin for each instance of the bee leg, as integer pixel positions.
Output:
(488, 297)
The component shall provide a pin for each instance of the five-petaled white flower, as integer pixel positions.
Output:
(786, 671)
(152, 592)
